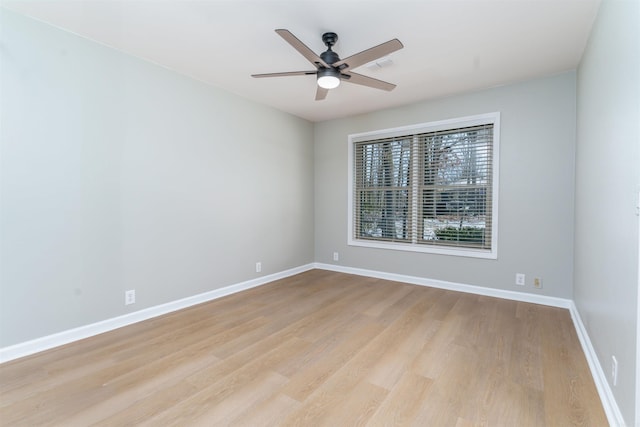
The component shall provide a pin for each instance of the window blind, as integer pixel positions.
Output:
(429, 188)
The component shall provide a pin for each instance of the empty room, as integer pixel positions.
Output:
(320, 213)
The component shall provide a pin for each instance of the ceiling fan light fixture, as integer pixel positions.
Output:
(328, 78)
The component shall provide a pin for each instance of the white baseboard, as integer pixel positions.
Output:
(45, 343)
(609, 404)
(452, 286)
(65, 337)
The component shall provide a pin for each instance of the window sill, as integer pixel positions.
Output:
(410, 247)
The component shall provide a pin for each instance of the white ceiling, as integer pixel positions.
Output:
(450, 46)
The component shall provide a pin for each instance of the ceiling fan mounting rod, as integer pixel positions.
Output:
(329, 39)
(329, 56)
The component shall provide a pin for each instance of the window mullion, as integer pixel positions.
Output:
(415, 184)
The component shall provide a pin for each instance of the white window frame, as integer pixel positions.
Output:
(481, 119)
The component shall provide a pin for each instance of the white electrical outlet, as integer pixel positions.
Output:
(129, 297)
(258, 267)
(336, 256)
(614, 370)
(519, 279)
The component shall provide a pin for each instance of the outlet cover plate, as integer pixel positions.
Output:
(130, 297)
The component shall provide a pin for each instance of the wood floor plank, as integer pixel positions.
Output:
(448, 393)
(526, 358)
(358, 406)
(391, 297)
(125, 391)
(241, 400)
(268, 413)
(566, 402)
(309, 379)
(419, 327)
(403, 402)
(318, 348)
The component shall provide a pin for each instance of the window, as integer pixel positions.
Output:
(429, 188)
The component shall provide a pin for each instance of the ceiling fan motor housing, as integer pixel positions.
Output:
(329, 56)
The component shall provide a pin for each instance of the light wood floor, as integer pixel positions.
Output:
(319, 348)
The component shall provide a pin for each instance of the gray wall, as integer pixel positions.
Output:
(117, 174)
(607, 182)
(535, 223)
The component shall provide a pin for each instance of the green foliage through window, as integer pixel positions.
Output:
(464, 234)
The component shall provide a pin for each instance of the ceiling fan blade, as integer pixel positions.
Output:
(359, 79)
(368, 55)
(321, 93)
(302, 48)
(286, 73)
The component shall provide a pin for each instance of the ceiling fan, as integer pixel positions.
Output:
(330, 69)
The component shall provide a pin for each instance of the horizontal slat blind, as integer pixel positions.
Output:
(452, 201)
(455, 190)
(382, 189)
